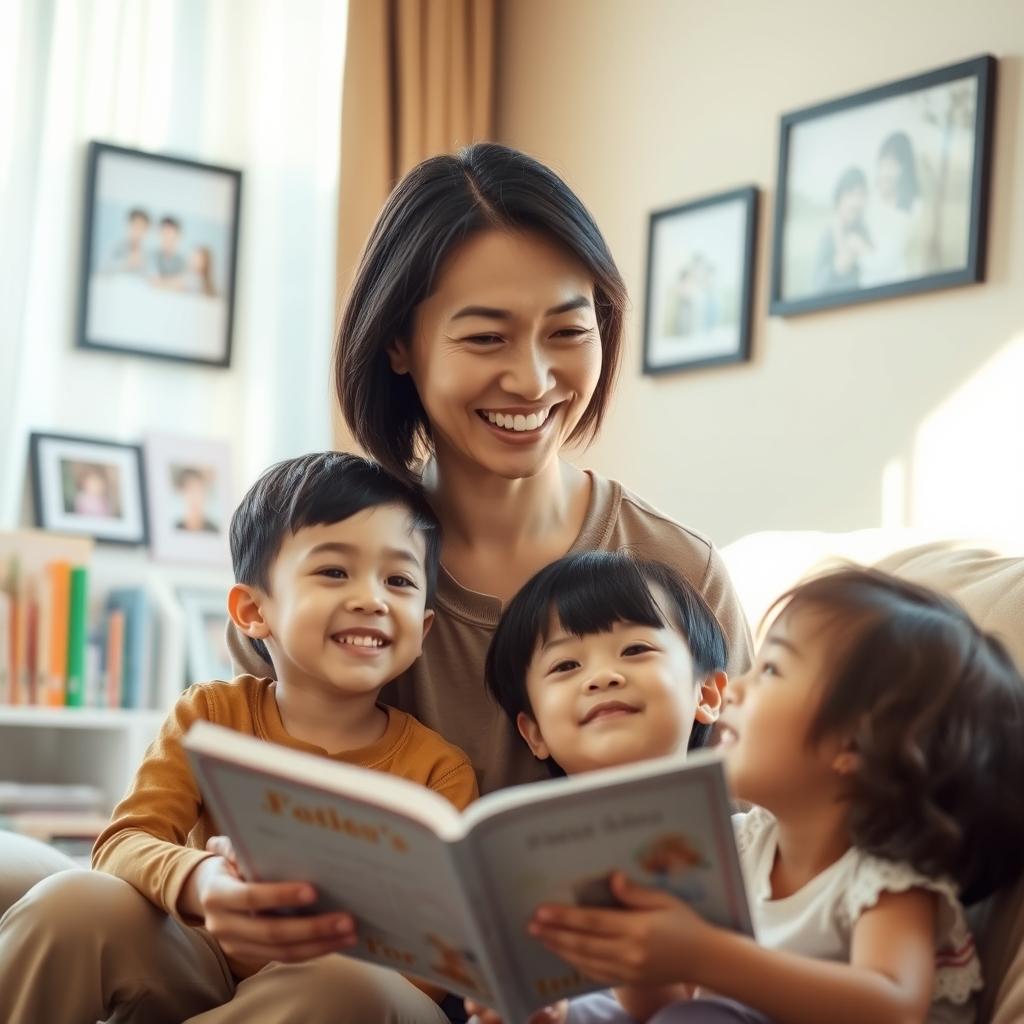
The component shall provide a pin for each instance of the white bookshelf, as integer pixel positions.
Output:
(103, 746)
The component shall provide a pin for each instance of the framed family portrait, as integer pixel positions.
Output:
(88, 487)
(160, 245)
(700, 283)
(884, 192)
(190, 498)
(206, 648)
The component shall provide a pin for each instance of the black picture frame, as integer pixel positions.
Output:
(112, 509)
(694, 328)
(922, 224)
(137, 297)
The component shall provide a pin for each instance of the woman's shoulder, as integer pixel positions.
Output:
(626, 521)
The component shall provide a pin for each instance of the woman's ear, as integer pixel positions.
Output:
(530, 732)
(709, 697)
(398, 356)
(847, 761)
(245, 609)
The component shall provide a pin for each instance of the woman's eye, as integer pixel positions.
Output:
(572, 332)
(333, 574)
(634, 649)
(565, 666)
(399, 581)
(484, 339)
(769, 669)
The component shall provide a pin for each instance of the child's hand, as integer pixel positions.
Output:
(555, 1014)
(656, 940)
(233, 912)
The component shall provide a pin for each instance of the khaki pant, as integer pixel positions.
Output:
(83, 946)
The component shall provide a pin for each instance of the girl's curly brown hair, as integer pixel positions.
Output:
(934, 707)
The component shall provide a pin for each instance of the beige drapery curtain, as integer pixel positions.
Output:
(419, 80)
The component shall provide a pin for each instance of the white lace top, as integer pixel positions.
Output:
(818, 920)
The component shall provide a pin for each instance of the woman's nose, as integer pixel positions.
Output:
(733, 693)
(528, 373)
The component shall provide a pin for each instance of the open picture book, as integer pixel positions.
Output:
(447, 896)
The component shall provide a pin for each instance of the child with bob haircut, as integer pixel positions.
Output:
(878, 737)
(336, 565)
(605, 659)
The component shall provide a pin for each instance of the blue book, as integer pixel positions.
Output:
(138, 640)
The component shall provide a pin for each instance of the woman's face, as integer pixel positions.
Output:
(505, 353)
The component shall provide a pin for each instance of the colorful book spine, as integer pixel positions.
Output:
(115, 657)
(59, 579)
(19, 638)
(78, 612)
(5, 646)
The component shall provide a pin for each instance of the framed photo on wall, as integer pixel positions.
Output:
(700, 259)
(159, 251)
(884, 192)
(88, 487)
(189, 497)
(206, 648)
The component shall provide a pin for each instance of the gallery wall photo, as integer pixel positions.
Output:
(159, 254)
(699, 289)
(884, 192)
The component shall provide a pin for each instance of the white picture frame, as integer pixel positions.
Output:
(190, 498)
(206, 651)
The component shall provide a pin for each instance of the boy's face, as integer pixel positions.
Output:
(346, 607)
(614, 698)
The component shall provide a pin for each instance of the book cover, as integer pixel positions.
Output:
(448, 896)
(114, 657)
(78, 613)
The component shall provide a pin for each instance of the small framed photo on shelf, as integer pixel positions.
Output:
(159, 250)
(700, 259)
(88, 487)
(190, 498)
(206, 648)
(884, 192)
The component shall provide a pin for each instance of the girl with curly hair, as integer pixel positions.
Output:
(878, 738)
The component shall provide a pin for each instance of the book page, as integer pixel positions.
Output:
(671, 831)
(392, 873)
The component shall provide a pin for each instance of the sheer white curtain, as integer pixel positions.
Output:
(254, 84)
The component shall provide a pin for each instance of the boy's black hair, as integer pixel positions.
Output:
(589, 592)
(317, 489)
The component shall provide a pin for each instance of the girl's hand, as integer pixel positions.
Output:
(234, 912)
(656, 940)
(549, 1015)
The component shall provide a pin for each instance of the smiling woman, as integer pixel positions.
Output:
(481, 336)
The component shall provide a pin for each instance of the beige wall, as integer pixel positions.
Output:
(903, 412)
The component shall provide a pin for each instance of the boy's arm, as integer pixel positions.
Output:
(145, 841)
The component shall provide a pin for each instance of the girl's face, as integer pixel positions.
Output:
(614, 698)
(768, 714)
(887, 178)
(505, 354)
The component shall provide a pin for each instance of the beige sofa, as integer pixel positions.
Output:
(988, 580)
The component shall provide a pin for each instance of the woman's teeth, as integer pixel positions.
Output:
(518, 422)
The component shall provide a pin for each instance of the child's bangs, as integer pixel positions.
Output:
(592, 598)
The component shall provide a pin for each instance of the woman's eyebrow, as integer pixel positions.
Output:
(492, 313)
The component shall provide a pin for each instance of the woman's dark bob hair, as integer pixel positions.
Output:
(433, 209)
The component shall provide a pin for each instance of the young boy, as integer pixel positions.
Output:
(336, 564)
(600, 660)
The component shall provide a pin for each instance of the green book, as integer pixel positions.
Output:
(78, 612)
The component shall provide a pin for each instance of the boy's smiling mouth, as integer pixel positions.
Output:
(361, 640)
(608, 709)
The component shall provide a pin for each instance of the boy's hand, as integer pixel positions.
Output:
(656, 940)
(233, 912)
(549, 1015)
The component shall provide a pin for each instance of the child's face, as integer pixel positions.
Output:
(613, 698)
(346, 608)
(768, 714)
